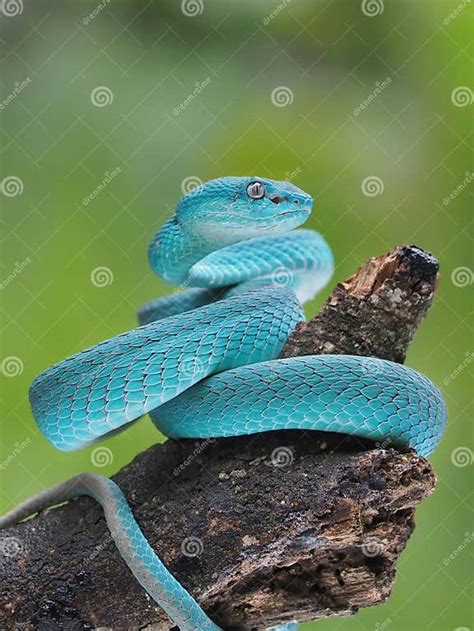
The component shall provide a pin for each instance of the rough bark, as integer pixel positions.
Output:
(261, 529)
(375, 312)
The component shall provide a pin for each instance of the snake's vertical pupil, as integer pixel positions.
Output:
(255, 190)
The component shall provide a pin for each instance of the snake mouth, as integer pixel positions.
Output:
(300, 211)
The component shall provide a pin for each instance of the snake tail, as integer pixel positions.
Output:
(132, 544)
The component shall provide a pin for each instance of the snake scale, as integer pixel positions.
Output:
(204, 362)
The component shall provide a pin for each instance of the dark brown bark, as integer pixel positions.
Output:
(286, 525)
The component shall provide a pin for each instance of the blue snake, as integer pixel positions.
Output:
(204, 362)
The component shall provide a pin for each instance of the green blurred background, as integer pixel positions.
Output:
(369, 91)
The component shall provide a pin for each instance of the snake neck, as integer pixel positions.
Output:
(173, 251)
(175, 248)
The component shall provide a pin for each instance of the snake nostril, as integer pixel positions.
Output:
(296, 201)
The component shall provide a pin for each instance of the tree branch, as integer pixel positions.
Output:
(261, 529)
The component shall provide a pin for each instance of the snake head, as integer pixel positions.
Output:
(232, 209)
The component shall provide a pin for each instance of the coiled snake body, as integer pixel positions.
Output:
(204, 362)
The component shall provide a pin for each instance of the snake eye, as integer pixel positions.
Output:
(256, 190)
